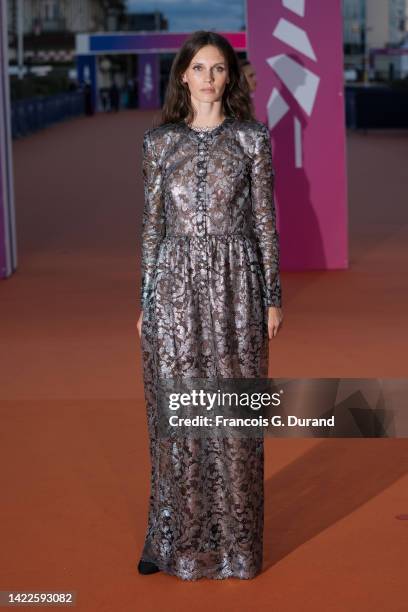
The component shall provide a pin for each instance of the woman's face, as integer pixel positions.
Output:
(207, 75)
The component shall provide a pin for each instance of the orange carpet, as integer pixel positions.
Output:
(74, 448)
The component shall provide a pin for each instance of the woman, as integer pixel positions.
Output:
(249, 72)
(210, 297)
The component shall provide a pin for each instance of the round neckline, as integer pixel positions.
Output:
(211, 131)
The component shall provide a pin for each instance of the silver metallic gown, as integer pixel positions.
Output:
(210, 269)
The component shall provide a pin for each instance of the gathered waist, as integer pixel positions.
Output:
(209, 236)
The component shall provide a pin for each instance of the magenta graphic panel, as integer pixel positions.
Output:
(149, 80)
(296, 47)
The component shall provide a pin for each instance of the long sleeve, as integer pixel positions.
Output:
(263, 209)
(153, 217)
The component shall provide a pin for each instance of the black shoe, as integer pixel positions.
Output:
(147, 567)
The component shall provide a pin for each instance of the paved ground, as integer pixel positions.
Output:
(74, 433)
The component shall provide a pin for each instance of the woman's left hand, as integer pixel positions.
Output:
(275, 318)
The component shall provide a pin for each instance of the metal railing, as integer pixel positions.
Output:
(376, 107)
(32, 114)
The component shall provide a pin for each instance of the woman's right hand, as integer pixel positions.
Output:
(139, 324)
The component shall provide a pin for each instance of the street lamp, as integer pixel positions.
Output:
(366, 56)
(20, 35)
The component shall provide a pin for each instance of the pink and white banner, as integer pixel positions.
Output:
(296, 47)
(8, 243)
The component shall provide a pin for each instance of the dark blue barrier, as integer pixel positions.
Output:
(32, 114)
(376, 107)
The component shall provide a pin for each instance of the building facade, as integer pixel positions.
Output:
(369, 24)
(49, 26)
(385, 21)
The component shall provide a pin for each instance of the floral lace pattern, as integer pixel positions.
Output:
(210, 269)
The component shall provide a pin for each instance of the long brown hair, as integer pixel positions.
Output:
(236, 99)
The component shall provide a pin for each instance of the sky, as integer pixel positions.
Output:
(190, 15)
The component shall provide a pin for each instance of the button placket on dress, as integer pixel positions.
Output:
(205, 139)
(201, 209)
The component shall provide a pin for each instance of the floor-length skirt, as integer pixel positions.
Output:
(206, 508)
